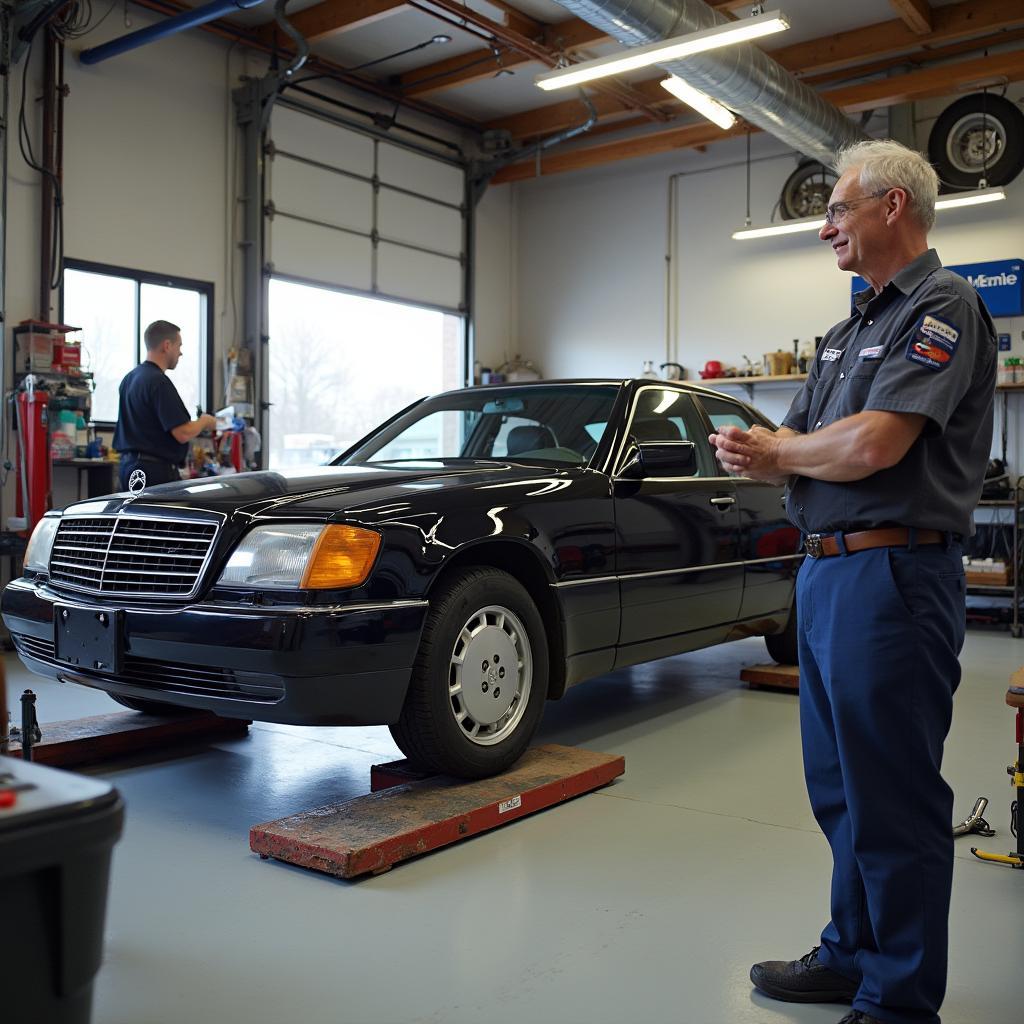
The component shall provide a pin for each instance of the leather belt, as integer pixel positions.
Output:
(825, 545)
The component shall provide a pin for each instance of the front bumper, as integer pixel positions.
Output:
(337, 665)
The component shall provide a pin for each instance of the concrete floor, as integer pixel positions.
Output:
(644, 902)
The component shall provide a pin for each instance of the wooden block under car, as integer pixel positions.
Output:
(776, 677)
(395, 773)
(372, 833)
(99, 737)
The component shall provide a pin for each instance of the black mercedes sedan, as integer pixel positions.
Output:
(474, 556)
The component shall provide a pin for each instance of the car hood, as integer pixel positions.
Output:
(321, 490)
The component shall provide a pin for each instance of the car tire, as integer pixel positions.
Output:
(977, 136)
(784, 647)
(480, 679)
(151, 707)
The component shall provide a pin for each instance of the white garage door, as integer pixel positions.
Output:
(353, 211)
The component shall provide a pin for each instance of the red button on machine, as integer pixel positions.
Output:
(8, 798)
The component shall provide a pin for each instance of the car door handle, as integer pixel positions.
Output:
(722, 502)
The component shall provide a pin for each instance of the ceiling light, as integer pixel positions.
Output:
(702, 103)
(441, 39)
(668, 49)
(788, 227)
(980, 195)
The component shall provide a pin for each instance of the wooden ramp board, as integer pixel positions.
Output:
(395, 773)
(777, 677)
(82, 741)
(372, 833)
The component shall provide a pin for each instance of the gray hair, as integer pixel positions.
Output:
(886, 164)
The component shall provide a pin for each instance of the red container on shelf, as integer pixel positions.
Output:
(66, 357)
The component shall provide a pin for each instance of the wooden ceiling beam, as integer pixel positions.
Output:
(331, 18)
(591, 156)
(888, 38)
(944, 80)
(915, 14)
(480, 64)
(916, 85)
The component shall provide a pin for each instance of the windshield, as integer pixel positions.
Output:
(539, 423)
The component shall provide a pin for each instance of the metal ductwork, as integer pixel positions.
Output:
(742, 77)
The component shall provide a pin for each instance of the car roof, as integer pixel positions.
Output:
(595, 382)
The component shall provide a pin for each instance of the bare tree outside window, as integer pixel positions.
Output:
(340, 364)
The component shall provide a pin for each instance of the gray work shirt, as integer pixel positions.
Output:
(925, 344)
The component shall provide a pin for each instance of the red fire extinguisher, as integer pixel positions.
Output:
(35, 476)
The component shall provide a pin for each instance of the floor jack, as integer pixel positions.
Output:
(1015, 699)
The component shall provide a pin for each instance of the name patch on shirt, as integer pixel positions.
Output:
(830, 355)
(875, 352)
(933, 343)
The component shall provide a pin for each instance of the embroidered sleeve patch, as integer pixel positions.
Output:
(933, 343)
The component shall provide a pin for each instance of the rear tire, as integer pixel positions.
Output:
(480, 678)
(151, 707)
(783, 647)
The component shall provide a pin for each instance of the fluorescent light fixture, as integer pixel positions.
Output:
(668, 49)
(702, 103)
(980, 195)
(786, 227)
(789, 227)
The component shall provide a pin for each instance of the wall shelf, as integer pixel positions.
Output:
(751, 382)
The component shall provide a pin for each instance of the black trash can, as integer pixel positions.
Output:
(57, 831)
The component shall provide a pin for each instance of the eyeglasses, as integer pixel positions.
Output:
(837, 211)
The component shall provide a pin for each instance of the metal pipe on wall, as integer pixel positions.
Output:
(150, 34)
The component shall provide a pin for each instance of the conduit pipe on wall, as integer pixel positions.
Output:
(179, 23)
(742, 78)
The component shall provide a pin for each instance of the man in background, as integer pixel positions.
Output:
(153, 425)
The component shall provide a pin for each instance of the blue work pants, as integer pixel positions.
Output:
(880, 635)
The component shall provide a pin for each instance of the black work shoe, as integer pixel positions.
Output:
(856, 1017)
(803, 981)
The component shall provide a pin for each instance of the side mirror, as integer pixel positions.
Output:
(661, 459)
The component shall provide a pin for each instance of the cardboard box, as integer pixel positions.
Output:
(66, 356)
(239, 389)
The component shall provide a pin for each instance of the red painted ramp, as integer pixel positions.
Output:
(374, 832)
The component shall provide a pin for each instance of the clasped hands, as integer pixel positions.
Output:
(752, 453)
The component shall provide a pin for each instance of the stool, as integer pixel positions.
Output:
(1015, 699)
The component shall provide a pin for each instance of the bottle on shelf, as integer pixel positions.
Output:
(649, 370)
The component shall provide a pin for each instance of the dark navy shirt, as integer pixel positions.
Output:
(150, 409)
(925, 344)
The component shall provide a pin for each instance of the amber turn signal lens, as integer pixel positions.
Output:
(342, 557)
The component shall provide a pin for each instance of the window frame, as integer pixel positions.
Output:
(141, 277)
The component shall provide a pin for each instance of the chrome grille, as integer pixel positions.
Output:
(165, 675)
(131, 555)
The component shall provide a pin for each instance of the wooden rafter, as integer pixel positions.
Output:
(479, 64)
(916, 85)
(332, 17)
(887, 38)
(916, 15)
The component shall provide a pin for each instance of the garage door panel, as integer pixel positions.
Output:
(320, 195)
(323, 254)
(320, 140)
(397, 166)
(419, 277)
(420, 222)
(319, 214)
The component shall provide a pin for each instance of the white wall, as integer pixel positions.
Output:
(592, 250)
(495, 292)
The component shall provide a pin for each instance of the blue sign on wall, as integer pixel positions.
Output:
(1000, 283)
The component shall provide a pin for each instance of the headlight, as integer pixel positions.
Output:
(302, 556)
(37, 554)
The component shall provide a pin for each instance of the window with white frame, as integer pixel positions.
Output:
(113, 306)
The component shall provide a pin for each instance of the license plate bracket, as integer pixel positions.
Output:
(88, 638)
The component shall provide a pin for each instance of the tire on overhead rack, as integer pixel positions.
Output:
(807, 190)
(977, 136)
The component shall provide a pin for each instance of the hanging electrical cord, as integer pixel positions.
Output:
(25, 145)
(433, 41)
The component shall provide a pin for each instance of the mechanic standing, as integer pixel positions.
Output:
(885, 450)
(153, 425)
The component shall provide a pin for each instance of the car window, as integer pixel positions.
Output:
(724, 413)
(668, 414)
(538, 423)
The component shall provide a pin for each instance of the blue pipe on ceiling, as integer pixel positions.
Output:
(180, 22)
